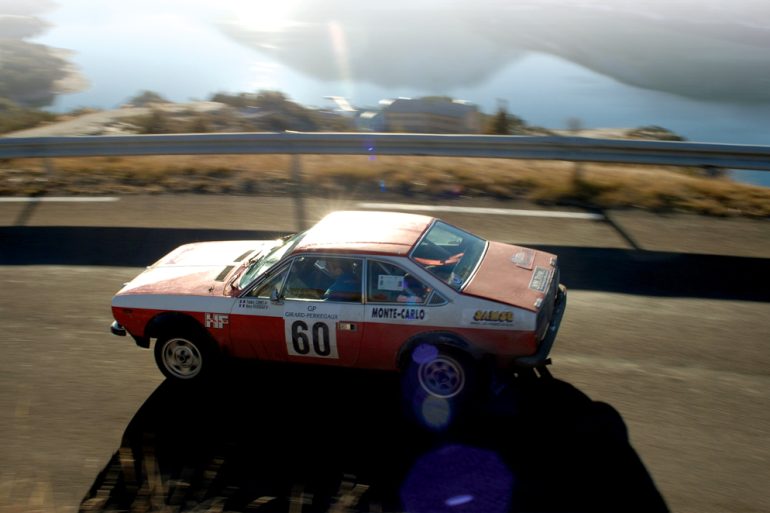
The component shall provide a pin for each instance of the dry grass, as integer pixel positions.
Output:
(595, 186)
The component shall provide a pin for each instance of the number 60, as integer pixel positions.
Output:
(319, 336)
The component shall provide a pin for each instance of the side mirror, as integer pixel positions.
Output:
(275, 296)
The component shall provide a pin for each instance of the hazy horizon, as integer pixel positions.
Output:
(699, 69)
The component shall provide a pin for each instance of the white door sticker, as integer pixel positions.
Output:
(312, 337)
(388, 282)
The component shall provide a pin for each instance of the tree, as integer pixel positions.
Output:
(500, 122)
(504, 123)
(15, 117)
(156, 122)
(146, 98)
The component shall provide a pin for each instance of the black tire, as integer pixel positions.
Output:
(186, 357)
(438, 384)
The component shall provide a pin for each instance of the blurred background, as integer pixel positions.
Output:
(668, 275)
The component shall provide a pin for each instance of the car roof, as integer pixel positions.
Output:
(369, 232)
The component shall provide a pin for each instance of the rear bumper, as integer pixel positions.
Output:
(541, 356)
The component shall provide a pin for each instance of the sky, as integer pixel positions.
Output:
(698, 67)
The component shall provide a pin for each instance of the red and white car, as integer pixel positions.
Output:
(372, 290)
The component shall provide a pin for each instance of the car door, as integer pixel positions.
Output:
(323, 310)
(257, 321)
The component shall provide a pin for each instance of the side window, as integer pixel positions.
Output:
(437, 299)
(388, 283)
(325, 278)
(272, 283)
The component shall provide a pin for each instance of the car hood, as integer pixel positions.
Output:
(513, 275)
(201, 268)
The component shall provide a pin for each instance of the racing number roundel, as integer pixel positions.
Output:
(311, 337)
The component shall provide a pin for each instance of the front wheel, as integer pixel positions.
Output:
(185, 357)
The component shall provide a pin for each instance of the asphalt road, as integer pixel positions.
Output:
(667, 328)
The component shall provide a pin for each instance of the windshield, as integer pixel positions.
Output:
(266, 259)
(449, 253)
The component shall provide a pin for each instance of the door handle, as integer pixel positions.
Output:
(346, 326)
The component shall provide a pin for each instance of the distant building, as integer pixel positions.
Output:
(432, 115)
(371, 121)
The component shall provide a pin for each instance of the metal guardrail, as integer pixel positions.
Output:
(577, 149)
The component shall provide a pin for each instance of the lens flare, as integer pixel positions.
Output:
(458, 478)
(436, 413)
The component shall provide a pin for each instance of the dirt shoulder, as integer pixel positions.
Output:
(591, 186)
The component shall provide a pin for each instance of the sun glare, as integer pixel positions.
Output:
(262, 15)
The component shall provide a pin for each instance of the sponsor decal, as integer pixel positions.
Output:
(493, 316)
(310, 315)
(524, 258)
(406, 314)
(215, 320)
(388, 282)
(540, 279)
(494, 319)
(252, 304)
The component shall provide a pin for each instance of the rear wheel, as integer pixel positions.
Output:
(438, 383)
(443, 376)
(185, 357)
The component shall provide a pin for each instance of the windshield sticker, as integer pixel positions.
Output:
(524, 259)
(406, 314)
(388, 282)
(540, 279)
(252, 304)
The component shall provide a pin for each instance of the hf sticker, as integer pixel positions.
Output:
(217, 321)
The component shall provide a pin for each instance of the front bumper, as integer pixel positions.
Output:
(541, 356)
(117, 329)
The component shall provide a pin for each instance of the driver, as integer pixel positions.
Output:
(346, 285)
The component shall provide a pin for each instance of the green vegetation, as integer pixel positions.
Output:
(505, 123)
(147, 98)
(16, 117)
(272, 111)
(654, 132)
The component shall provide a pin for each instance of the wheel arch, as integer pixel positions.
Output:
(446, 339)
(166, 322)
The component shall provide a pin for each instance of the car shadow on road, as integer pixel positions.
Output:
(297, 439)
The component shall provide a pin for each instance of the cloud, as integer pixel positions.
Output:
(15, 26)
(26, 7)
(33, 74)
(703, 50)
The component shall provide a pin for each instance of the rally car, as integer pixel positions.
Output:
(370, 290)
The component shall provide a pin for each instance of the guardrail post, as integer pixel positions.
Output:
(49, 168)
(298, 187)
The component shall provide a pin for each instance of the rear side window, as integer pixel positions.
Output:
(388, 283)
